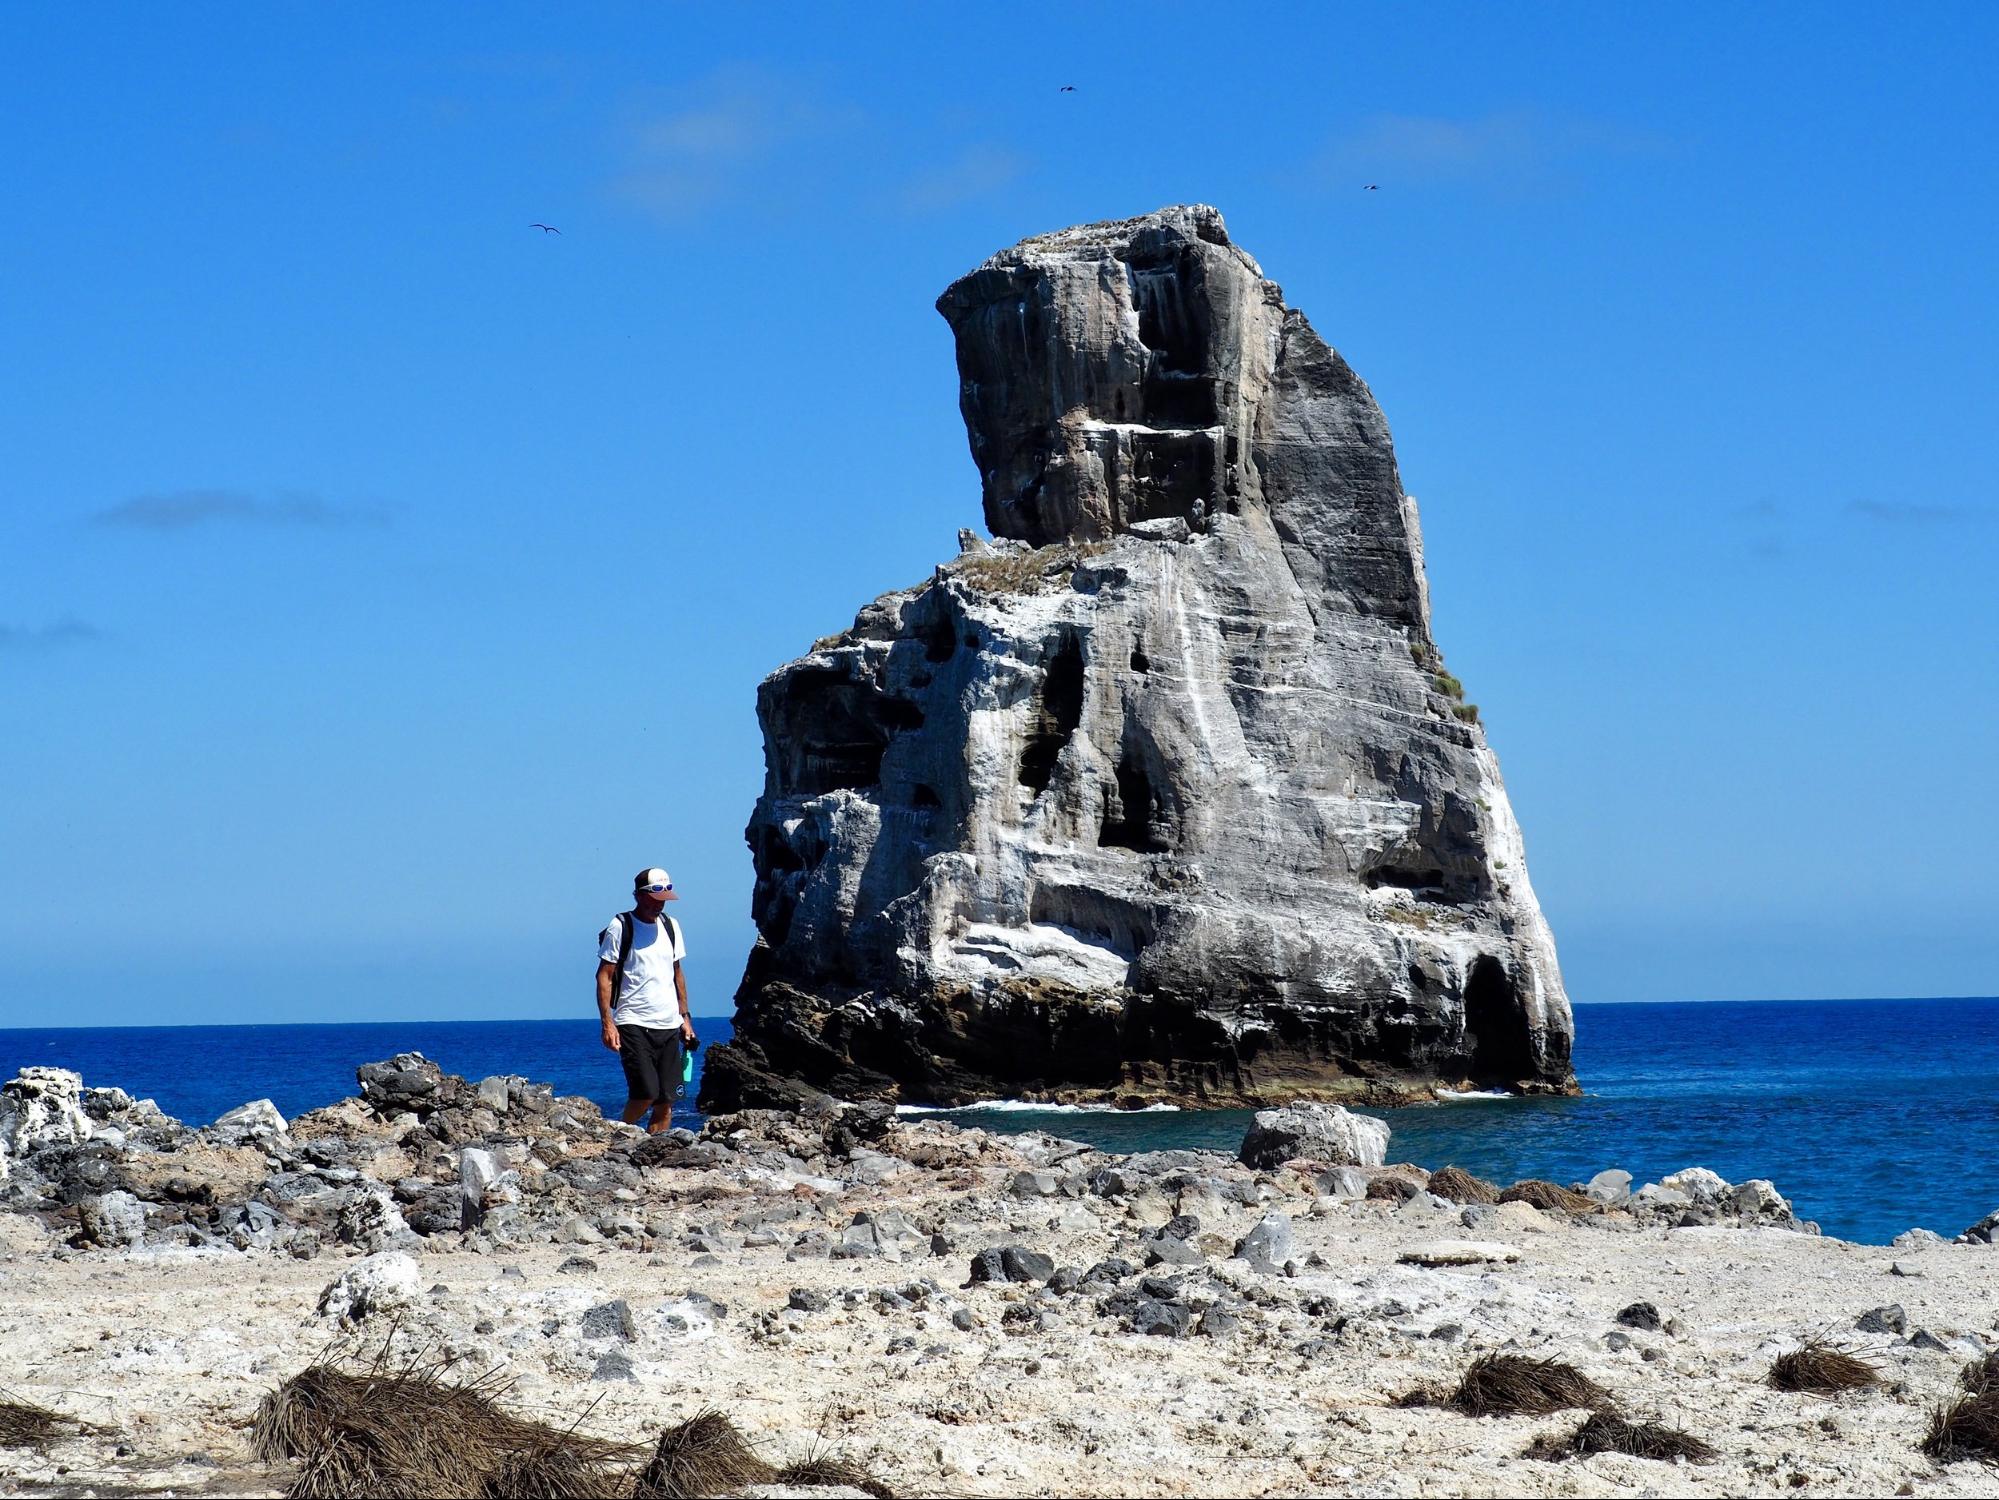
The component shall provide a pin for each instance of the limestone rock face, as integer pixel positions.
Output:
(1166, 793)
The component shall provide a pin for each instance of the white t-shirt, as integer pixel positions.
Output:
(648, 997)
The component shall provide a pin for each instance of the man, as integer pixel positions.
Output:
(642, 998)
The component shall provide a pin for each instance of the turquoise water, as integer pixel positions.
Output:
(1871, 1115)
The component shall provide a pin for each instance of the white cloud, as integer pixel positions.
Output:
(680, 162)
(973, 173)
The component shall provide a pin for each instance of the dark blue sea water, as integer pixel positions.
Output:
(1871, 1115)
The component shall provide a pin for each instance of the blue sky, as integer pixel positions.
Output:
(382, 580)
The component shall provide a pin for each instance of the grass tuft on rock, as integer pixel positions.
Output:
(828, 1471)
(1823, 1369)
(408, 1430)
(1459, 1186)
(25, 1425)
(1606, 1432)
(1981, 1374)
(703, 1456)
(1969, 1426)
(1506, 1385)
(1550, 1196)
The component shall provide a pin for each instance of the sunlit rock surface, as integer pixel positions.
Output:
(1166, 794)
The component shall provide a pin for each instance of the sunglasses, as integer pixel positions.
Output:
(657, 890)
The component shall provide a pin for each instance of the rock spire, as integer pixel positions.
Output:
(1166, 794)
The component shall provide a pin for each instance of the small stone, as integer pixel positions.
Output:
(577, 1265)
(961, 1318)
(1642, 1316)
(1218, 1322)
(615, 1365)
(515, 1273)
(988, 1265)
(609, 1320)
(805, 1299)
(1617, 1341)
(1889, 1319)
(1162, 1319)
(1022, 1264)
(1170, 1250)
(1922, 1338)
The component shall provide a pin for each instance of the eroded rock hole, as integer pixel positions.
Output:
(833, 732)
(1403, 879)
(940, 638)
(923, 796)
(1058, 709)
(899, 715)
(1496, 1026)
(1140, 662)
(1131, 816)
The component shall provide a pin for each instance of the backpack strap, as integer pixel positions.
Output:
(625, 920)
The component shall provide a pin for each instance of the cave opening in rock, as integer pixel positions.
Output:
(1058, 709)
(923, 796)
(1496, 1026)
(835, 734)
(1140, 662)
(1131, 818)
(940, 637)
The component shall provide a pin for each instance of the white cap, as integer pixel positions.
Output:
(654, 882)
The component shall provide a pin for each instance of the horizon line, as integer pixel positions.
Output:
(730, 1016)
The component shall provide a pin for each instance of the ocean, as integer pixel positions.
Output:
(1872, 1116)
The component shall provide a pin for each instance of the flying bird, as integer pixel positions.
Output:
(1067, 88)
(545, 228)
(1372, 187)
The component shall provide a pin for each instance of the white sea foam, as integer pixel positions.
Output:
(1028, 1106)
(1474, 1094)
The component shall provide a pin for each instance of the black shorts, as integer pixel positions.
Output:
(651, 1055)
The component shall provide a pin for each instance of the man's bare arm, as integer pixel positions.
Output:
(606, 972)
(686, 1015)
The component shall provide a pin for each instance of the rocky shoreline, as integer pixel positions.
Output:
(956, 1309)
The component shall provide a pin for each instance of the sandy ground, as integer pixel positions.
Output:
(170, 1352)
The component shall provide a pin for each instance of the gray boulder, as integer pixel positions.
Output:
(1269, 1245)
(1611, 1187)
(1320, 1132)
(1168, 794)
(111, 1221)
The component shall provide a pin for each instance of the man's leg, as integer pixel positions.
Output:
(636, 1054)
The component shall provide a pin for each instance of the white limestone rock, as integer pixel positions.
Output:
(1317, 1132)
(383, 1282)
(1168, 795)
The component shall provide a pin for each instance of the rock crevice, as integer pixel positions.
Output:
(1166, 793)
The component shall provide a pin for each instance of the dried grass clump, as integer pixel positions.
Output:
(703, 1456)
(1981, 1375)
(407, 1431)
(1822, 1368)
(1969, 1426)
(1605, 1432)
(1034, 571)
(25, 1425)
(1550, 1196)
(827, 1470)
(1458, 1185)
(1497, 1385)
